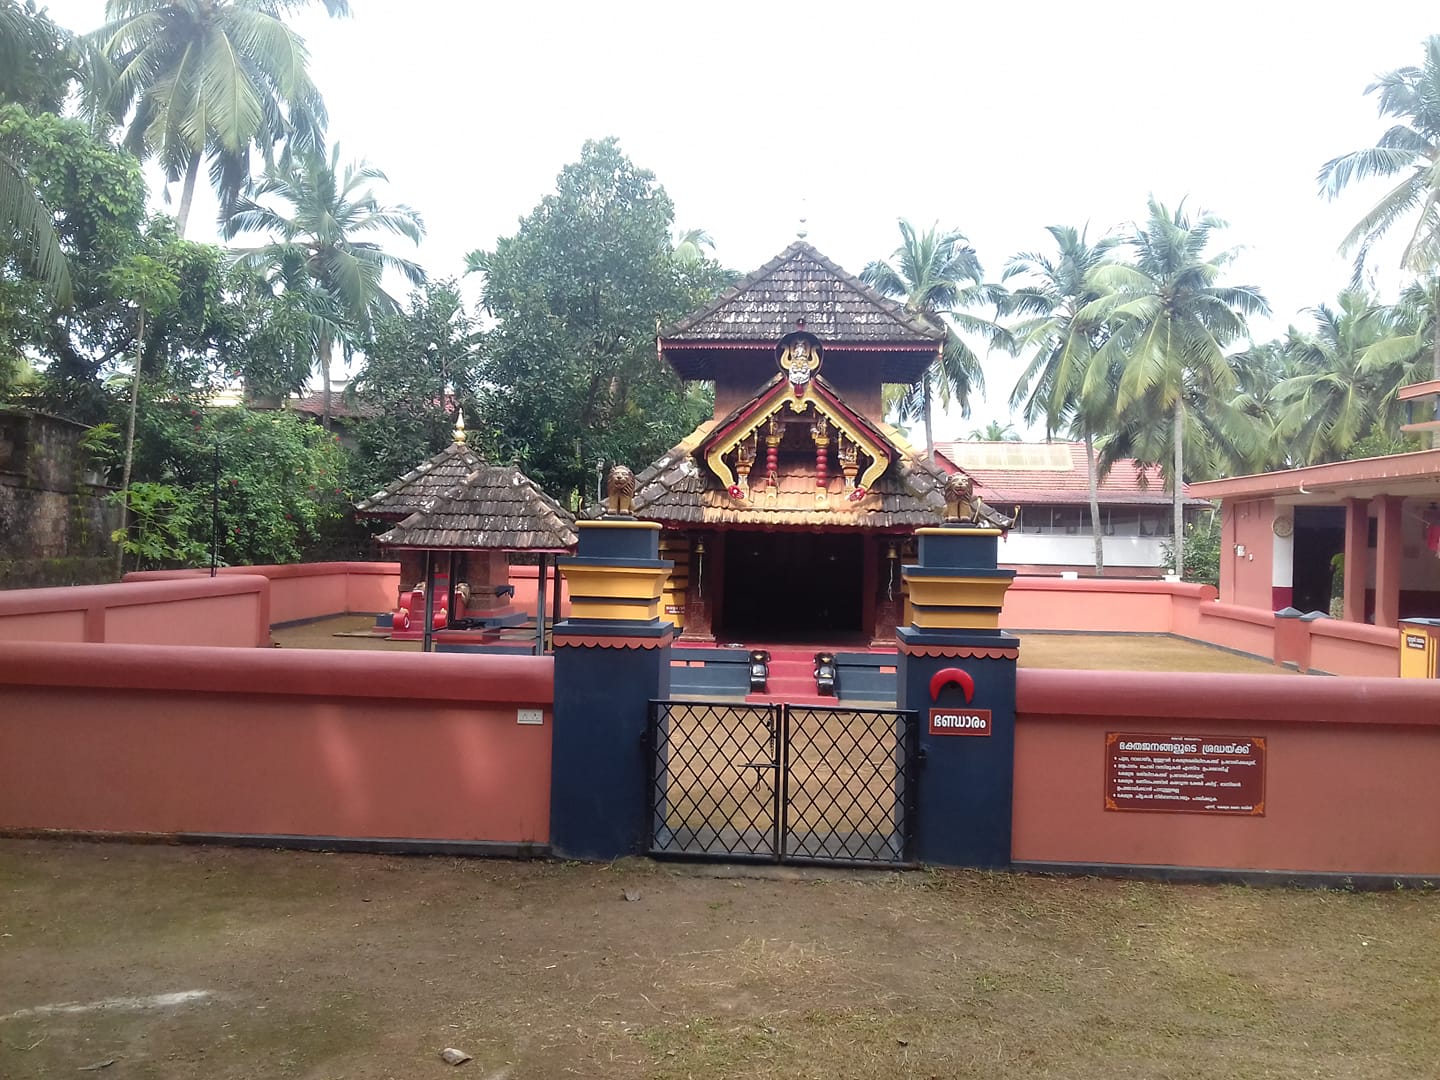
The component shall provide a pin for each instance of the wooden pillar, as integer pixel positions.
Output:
(1357, 557)
(542, 573)
(429, 600)
(871, 555)
(1387, 561)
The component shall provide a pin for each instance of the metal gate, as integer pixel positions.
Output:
(791, 783)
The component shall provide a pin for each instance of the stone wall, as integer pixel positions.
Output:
(55, 523)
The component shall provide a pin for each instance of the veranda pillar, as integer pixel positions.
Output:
(612, 656)
(957, 670)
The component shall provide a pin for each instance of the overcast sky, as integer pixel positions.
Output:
(994, 119)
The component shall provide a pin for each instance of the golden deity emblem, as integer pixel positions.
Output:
(799, 358)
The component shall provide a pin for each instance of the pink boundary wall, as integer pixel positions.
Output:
(166, 740)
(1350, 771)
(188, 607)
(226, 611)
(1190, 611)
(300, 591)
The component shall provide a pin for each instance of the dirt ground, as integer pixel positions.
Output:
(1108, 652)
(327, 966)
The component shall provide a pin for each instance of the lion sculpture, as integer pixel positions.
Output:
(620, 491)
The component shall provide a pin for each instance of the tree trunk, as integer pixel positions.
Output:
(187, 193)
(1095, 503)
(1178, 484)
(929, 421)
(130, 441)
(325, 382)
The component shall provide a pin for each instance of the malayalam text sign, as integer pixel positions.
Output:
(1185, 774)
(959, 721)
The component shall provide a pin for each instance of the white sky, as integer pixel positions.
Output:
(994, 119)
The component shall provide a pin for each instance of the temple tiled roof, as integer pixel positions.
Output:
(421, 486)
(494, 508)
(800, 283)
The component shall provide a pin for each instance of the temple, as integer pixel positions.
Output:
(789, 513)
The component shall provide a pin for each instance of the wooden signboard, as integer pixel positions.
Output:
(1185, 774)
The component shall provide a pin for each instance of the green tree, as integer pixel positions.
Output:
(194, 79)
(1335, 398)
(152, 286)
(93, 197)
(1170, 322)
(36, 70)
(37, 60)
(1410, 150)
(569, 372)
(256, 485)
(995, 431)
(322, 254)
(938, 276)
(420, 366)
(1056, 290)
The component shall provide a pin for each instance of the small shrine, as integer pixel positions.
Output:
(458, 519)
(789, 513)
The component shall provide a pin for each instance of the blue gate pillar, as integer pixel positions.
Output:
(612, 656)
(957, 670)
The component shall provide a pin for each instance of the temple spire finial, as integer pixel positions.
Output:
(459, 435)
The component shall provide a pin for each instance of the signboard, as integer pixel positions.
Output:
(1415, 641)
(674, 609)
(1185, 774)
(959, 721)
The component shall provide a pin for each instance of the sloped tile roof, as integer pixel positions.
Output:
(1054, 473)
(421, 486)
(800, 283)
(494, 508)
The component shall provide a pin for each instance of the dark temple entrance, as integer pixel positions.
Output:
(796, 585)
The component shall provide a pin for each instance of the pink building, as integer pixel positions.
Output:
(1281, 532)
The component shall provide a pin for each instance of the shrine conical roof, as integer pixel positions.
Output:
(802, 284)
(493, 508)
(419, 488)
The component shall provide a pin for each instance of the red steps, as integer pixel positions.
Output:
(792, 680)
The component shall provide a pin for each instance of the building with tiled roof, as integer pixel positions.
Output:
(1045, 486)
(789, 512)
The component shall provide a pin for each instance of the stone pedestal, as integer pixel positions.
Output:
(612, 657)
(957, 670)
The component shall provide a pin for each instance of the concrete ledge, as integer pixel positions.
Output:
(479, 680)
(1211, 875)
(1204, 696)
(491, 849)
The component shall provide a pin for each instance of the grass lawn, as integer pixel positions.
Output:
(367, 966)
(1111, 652)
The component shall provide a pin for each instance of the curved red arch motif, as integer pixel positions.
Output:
(945, 676)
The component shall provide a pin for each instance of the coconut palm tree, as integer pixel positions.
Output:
(994, 431)
(691, 245)
(1064, 345)
(194, 79)
(1335, 397)
(938, 276)
(24, 218)
(1169, 324)
(1409, 150)
(320, 218)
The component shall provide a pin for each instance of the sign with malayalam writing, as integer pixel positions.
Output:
(959, 721)
(1415, 641)
(1185, 774)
